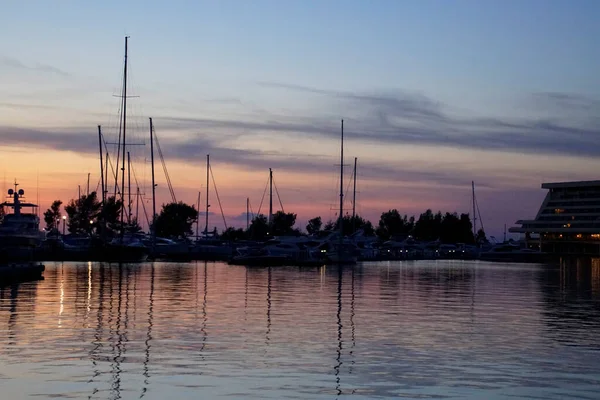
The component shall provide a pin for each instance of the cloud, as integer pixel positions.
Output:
(399, 117)
(13, 63)
(561, 100)
(398, 173)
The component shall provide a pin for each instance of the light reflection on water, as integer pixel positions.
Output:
(401, 330)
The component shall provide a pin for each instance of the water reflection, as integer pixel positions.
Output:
(409, 329)
(146, 372)
(339, 332)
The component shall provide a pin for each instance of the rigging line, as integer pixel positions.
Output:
(142, 196)
(479, 214)
(263, 197)
(145, 213)
(348, 187)
(119, 144)
(250, 207)
(278, 197)
(217, 193)
(164, 165)
(114, 172)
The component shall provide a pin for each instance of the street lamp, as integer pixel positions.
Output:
(64, 217)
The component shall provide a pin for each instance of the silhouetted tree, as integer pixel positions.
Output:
(175, 220)
(428, 226)
(133, 226)
(329, 226)
(52, 215)
(108, 221)
(480, 238)
(356, 223)
(282, 223)
(233, 234)
(259, 228)
(2, 213)
(81, 212)
(391, 224)
(314, 226)
(465, 230)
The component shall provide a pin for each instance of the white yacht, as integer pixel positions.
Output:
(20, 231)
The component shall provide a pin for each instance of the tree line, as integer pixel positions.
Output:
(87, 216)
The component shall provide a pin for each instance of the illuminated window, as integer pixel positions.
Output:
(579, 236)
(559, 210)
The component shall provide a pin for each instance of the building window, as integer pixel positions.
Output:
(559, 210)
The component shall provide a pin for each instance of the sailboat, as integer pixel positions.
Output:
(342, 251)
(210, 247)
(124, 248)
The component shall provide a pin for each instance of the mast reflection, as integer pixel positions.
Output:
(204, 315)
(269, 278)
(352, 327)
(339, 333)
(97, 342)
(146, 372)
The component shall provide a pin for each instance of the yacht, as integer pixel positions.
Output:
(510, 252)
(20, 233)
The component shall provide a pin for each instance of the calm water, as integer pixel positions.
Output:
(398, 330)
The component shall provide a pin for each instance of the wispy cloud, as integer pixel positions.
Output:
(188, 150)
(402, 117)
(14, 63)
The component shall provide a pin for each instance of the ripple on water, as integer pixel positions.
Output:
(383, 330)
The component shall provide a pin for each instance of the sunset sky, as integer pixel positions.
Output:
(434, 94)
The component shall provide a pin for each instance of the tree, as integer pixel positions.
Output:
(133, 226)
(233, 234)
(2, 213)
(480, 238)
(175, 220)
(391, 224)
(82, 213)
(330, 226)
(427, 227)
(354, 224)
(109, 217)
(282, 223)
(259, 228)
(52, 215)
(314, 226)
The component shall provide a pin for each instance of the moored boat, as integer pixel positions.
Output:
(20, 234)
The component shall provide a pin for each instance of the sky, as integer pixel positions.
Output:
(433, 94)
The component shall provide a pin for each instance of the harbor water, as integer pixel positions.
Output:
(413, 329)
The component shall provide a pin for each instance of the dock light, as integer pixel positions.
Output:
(64, 218)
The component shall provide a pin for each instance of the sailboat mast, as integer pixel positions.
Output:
(354, 197)
(341, 218)
(207, 189)
(354, 191)
(270, 196)
(124, 130)
(474, 215)
(137, 204)
(152, 228)
(101, 163)
(198, 219)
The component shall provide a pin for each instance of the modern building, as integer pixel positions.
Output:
(568, 221)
